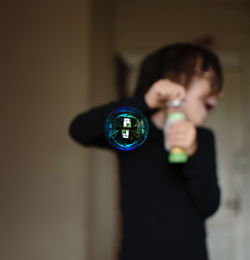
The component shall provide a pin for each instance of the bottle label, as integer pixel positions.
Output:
(172, 117)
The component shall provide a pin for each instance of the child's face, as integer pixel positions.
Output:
(199, 100)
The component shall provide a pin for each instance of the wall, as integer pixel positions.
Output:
(150, 24)
(245, 155)
(103, 181)
(45, 77)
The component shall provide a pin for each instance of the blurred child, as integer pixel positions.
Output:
(164, 205)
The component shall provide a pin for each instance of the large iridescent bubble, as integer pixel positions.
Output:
(126, 128)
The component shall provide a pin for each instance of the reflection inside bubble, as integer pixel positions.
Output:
(126, 128)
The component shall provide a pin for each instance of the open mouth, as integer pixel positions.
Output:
(209, 107)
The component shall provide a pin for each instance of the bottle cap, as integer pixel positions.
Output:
(174, 103)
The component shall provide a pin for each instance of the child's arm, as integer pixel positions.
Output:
(201, 176)
(87, 128)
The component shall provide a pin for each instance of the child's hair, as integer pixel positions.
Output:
(179, 62)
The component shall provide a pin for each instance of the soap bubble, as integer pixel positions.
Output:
(126, 128)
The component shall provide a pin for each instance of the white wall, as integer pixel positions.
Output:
(245, 155)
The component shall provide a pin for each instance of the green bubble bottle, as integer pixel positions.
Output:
(176, 154)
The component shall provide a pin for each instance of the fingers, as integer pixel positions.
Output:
(181, 127)
(169, 90)
(162, 91)
(182, 142)
(181, 134)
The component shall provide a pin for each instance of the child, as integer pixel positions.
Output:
(164, 206)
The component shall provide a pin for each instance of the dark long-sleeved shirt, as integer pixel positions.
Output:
(164, 206)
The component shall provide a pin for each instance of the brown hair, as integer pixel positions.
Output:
(179, 62)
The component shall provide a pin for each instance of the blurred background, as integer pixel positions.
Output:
(60, 200)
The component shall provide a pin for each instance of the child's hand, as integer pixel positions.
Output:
(162, 91)
(182, 134)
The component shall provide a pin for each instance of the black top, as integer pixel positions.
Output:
(164, 206)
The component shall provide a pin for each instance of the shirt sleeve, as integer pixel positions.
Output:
(201, 175)
(87, 128)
